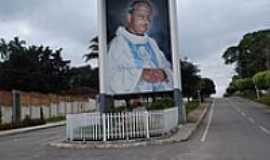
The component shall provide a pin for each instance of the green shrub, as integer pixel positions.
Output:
(250, 94)
(160, 104)
(262, 80)
(244, 84)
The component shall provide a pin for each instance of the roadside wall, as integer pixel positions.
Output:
(32, 104)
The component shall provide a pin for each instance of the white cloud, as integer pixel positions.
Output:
(59, 24)
(208, 27)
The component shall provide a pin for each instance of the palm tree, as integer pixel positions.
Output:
(93, 47)
(16, 46)
(17, 43)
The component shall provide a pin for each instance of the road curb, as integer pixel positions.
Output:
(197, 124)
(29, 129)
(188, 130)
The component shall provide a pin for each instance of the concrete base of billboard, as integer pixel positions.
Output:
(178, 100)
(104, 102)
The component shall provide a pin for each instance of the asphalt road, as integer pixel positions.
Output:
(234, 129)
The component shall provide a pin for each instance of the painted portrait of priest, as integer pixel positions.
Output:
(139, 52)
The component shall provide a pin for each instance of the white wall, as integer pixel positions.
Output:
(53, 110)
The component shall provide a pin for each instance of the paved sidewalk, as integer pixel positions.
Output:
(183, 133)
(28, 129)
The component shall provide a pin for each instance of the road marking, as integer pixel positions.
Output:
(210, 118)
(233, 106)
(243, 114)
(265, 130)
(251, 120)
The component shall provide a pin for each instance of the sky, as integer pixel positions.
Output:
(206, 28)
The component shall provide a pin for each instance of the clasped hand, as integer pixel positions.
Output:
(154, 75)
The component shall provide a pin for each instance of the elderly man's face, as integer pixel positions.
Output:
(139, 20)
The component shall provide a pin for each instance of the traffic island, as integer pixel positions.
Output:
(180, 134)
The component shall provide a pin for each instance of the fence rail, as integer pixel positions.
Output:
(126, 125)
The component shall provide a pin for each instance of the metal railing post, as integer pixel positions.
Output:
(147, 125)
(104, 126)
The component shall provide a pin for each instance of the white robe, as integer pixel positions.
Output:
(128, 55)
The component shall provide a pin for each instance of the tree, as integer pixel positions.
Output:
(93, 47)
(244, 84)
(3, 49)
(14, 46)
(83, 76)
(251, 55)
(29, 68)
(262, 80)
(190, 79)
(207, 87)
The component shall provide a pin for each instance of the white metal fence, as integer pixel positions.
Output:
(114, 126)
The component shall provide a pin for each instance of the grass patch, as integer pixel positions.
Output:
(190, 106)
(246, 94)
(56, 119)
(252, 96)
(264, 100)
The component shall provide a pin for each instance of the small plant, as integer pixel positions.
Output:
(190, 106)
(160, 104)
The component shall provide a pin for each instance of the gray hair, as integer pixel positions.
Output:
(132, 5)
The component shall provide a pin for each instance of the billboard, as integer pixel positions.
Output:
(139, 54)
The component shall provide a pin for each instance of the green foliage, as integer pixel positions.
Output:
(83, 76)
(190, 79)
(230, 90)
(93, 50)
(241, 87)
(232, 86)
(250, 94)
(40, 69)
(160, 104)
(244, 84)
(29, 67)
(190, 106)
(207, 87)
(262, 80)
(251, 55)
